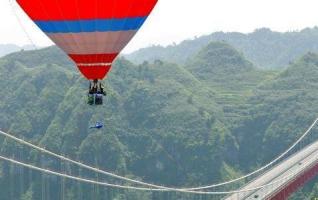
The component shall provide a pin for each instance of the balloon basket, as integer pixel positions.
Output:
(95, 99)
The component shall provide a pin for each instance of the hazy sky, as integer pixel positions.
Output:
(176, 20)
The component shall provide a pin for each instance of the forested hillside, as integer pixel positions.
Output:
(173, 124)
(267, 49)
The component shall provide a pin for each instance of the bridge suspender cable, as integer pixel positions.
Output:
(89, 181)
(153, 185)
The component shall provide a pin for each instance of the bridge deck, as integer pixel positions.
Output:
(289, 170)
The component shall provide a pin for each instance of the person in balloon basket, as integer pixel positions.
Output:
(96, 93)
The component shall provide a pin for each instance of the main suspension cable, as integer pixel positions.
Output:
(89, 181)
(43, 150)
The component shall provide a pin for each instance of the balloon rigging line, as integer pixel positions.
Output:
(12, 5)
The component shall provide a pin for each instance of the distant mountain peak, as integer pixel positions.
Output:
(219, 58)
(301, 74)
(217, 50)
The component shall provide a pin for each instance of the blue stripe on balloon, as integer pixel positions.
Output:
(101, 25)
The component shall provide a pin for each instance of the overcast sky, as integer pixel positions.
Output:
(176, 20)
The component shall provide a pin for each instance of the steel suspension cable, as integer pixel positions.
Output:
(43, 150)
(89, 181)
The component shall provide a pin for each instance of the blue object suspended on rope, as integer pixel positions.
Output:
(98, 125)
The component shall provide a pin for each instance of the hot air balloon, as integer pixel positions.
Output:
(91, 32)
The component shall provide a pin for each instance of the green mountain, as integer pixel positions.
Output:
(230, 74)
(282, 110)
(160, 122)
(210, 120)
(218, 59)
(282, 107)
(265, 48)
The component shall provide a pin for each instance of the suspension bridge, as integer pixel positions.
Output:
(285, 178)
(276, 180)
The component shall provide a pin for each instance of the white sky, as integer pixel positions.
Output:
(176, 20)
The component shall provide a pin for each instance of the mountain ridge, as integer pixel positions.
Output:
(265, 48)
(6, 49)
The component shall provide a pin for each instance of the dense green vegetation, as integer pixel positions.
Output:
(265, 48)
(212, 119)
